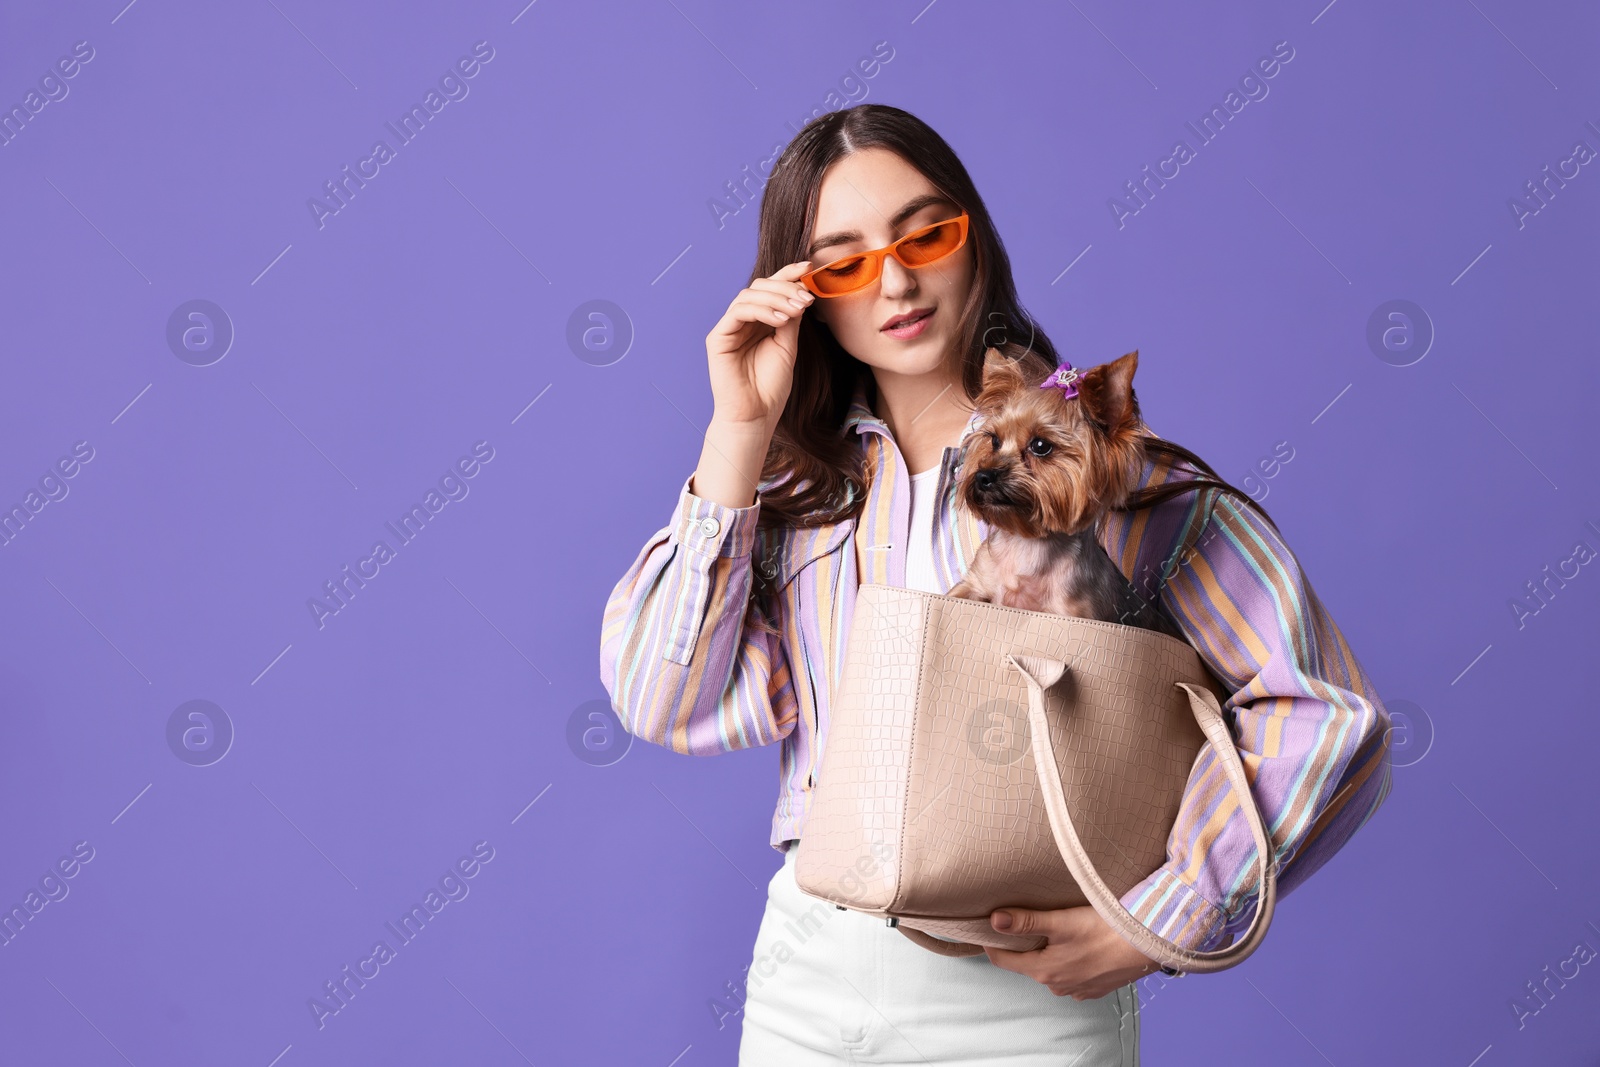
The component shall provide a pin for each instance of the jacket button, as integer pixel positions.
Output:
(710, 526)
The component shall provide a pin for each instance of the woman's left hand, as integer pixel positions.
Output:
(1084, 958)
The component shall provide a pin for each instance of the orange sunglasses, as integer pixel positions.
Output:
(916, 249)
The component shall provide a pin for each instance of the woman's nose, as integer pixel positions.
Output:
(896, 279)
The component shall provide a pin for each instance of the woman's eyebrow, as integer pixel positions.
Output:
(911, 207)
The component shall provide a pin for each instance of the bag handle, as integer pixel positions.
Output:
(939, 945)
(1041, 673)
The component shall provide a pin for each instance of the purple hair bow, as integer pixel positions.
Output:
(1065, 378)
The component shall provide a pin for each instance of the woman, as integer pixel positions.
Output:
(831, 460)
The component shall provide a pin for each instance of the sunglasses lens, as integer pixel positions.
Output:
(844, 276)
(934, 243)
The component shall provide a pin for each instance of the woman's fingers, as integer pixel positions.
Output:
(798, 295)
(753, 305)
(792, 271)
(753, 311)
(784, 301)
(781, 302)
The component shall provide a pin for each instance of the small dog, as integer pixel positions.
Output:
(1048, 459)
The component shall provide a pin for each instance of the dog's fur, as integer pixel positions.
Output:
(1041, 553)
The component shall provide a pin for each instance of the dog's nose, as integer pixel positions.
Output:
(985, 479)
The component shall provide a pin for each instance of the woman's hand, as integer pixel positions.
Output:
(751, 349)
(1084, 957)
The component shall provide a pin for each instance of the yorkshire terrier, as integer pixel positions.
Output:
(1047, 461)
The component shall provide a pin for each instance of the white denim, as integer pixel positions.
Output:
(827, 986)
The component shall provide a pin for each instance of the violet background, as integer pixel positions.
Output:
(435, 710)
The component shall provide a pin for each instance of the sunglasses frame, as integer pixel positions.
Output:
(875, 257)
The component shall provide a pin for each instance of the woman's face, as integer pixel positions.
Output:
(870, 199)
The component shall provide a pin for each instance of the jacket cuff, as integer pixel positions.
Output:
(1171, 907)
(709, 529)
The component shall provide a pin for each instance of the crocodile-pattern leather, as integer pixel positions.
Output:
(854, 829)
(929, 807)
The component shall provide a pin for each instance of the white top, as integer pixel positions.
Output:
(919, 548)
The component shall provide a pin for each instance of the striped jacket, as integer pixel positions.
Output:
(686, 669)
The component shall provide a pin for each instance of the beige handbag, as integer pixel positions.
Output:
(964, 733)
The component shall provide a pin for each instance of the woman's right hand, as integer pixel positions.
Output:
(751, 349)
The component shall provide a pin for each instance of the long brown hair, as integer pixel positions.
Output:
(814, 473)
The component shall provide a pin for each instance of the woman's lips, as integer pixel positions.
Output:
(906, 330)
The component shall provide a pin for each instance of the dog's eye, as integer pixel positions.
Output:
(994, 441)
(1040, 447)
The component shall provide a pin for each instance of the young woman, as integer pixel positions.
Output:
(831, 460)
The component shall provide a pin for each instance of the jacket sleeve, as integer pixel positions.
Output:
(1312, 733)
(681, 654)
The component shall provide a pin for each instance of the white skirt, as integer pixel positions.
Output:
(827, 986)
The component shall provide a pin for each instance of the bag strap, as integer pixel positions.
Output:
(939, 945)
(1041, 673)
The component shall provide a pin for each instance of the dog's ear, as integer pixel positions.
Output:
(1000, 371)
(1107, 394)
